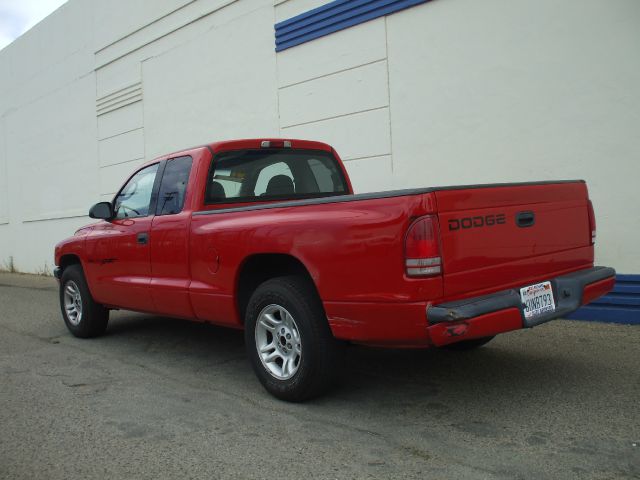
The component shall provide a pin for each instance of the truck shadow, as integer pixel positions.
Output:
(508, 369)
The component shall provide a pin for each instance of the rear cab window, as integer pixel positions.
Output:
(273, 174)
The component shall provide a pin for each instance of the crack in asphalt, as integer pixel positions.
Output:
(8, 285)
(50, 340)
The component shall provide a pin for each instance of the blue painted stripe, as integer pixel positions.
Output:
(621, 305)
(333, 17)
(628, 278)
(617, 299)
(627, 316)
(624, 288)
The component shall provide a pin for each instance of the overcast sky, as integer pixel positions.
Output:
(18, 16)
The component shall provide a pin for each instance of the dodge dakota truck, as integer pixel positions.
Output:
(268, 236)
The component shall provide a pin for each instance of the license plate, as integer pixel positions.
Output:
(537, 299)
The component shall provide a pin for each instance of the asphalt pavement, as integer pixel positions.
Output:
(162, 398)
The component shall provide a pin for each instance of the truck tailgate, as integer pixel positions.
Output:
(502, 236)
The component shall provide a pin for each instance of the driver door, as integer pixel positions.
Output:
(118, 252)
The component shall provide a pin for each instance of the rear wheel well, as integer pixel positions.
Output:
(257, 269)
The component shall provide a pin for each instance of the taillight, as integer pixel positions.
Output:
(592, 222)
(422, 248)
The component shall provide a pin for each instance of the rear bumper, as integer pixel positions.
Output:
(503, 311)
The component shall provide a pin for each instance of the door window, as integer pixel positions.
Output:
(134, 199)
(174, 186)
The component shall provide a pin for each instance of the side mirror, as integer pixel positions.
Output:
(102, 210)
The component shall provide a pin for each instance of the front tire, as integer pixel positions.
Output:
(83, 316)
(288, 340)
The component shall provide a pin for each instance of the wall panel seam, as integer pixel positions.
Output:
(377, 155)
(120, 133)
(334, 117)
(355, 67)
(137, 159)
(191, 21)
(166, 15)
(386, 45)
(53, 216)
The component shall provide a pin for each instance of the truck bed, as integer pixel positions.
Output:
(353, 245)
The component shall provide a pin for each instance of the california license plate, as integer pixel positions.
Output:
(537, 299)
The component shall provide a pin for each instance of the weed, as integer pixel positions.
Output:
(8, 266)
(44, 271)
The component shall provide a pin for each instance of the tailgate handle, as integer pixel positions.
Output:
(525, 219)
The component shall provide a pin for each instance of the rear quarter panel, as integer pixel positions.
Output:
(353, 251)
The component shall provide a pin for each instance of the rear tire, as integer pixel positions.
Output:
(83, 316)
(468, 344)
(288, 340)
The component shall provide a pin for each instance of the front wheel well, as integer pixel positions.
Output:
(259, 268)
(68, 260)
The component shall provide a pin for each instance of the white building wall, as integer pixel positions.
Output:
(203, 90)
(482, 92)
(521, 91)
(48, 148)
(447, 92)
(335, 89)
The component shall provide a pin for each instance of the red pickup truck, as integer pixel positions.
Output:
(268, 236)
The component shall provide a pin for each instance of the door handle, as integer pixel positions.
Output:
(525, 219)
(143, 238)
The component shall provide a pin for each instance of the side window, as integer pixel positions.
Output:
(174, 186)
(135, 197)
(276, 179)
